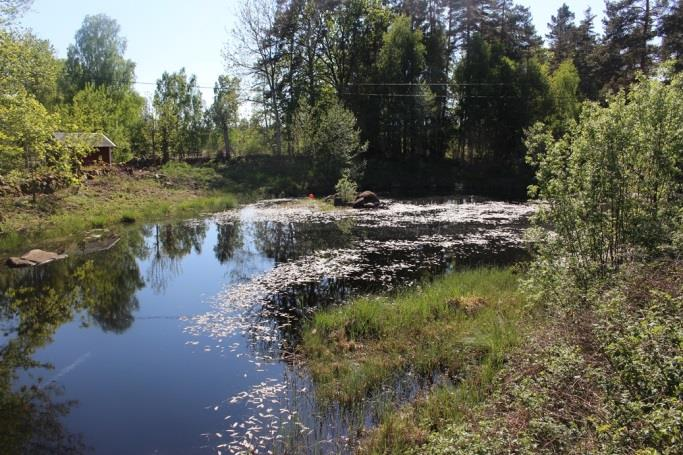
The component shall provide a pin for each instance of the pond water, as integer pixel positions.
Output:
(179, 338)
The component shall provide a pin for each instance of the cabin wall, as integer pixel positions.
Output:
(103, 154)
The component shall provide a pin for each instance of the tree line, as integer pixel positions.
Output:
(341, 82)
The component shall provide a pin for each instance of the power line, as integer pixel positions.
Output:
(376, 84)
(401, 84)
(447, 84)
(459, 97)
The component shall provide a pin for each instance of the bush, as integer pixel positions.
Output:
(346, 188)
(543, 407)
(640, 328)
(327, 134)
(612, 183)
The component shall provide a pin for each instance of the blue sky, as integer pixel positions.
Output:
(166, 35)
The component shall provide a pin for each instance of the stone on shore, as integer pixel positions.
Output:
(35, 257)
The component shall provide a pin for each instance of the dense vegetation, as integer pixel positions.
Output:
(598, 312)
(413, 94)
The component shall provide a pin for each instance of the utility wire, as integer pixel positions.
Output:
(447, 84)
(401, 84)
(375, 84)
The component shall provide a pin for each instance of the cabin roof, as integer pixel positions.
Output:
(92, 139)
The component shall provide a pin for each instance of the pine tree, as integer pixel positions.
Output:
(628, 47)
(586, 59)
(671, 30)
(562, 36)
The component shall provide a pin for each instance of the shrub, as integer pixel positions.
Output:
(612, 183)
(640, 329)
(327, 133)
(346, 188)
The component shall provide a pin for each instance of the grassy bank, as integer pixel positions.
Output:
(106, 201)
(463, 325)
(601, 374)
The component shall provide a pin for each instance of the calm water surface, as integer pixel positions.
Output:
(178, 338)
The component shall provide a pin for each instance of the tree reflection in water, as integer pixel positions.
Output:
(228, 240)
(169, 244)
(99, 289)
(34, 303)
(286, 241)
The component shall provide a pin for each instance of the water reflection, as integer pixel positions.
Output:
(34, 303)
(228, 240)
(168, 244)
(275, 266)
(285, 241)
(30, 419)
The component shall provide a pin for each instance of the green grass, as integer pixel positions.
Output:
(188, 175)
(465, 320)
(463, 324)
(104, 202)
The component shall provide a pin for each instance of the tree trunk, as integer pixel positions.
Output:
(278, 127)
(226, 141)
(647, 20)
(164, 146)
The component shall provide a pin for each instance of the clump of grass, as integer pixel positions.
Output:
(355, 349)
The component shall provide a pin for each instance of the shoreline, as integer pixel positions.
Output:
(105, 202)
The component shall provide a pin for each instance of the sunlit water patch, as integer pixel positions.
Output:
(179, 339)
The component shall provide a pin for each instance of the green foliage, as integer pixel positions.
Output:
(178, 105)
(327, 134)
(225, 108)
(545, 412)
(28, 64)
(640, 330)
(402, 56)
(346, 188)
(562, 35)
(401, 60)
(116, 113)
(564, 88)
(671, 30)
(27, 146)
(250, 137)
(604, 382)
(628, 48)
(612, 183)
(498, 98)
(10, 10)
(96, 57)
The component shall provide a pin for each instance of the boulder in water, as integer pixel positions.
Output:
(366, 199)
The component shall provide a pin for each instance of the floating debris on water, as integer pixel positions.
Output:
(322, 258)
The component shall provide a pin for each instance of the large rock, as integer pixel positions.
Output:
(366, 199)
(35, 257)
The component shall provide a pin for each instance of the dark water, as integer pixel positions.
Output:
(178, 338)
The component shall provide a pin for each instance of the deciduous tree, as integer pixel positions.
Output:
(97, 57)
(225, 108)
